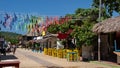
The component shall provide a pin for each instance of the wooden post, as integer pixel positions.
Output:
(99, 55)
(99, 33)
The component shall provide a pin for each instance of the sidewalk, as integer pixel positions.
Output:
(31, 59)
(106, 63)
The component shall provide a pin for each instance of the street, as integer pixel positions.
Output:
(29, 59)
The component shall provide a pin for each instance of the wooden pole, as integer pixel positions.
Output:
(99, 55)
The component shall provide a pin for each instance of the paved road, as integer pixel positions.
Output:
(31, 59)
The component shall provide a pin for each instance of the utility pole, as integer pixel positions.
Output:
(99, 55)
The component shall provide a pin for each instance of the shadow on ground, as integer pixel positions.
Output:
(62, 67)
(54, 67)
(7, 57)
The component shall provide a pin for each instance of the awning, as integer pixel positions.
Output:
(41, 40)
(62, 35)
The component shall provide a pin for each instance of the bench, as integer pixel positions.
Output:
(9, 63)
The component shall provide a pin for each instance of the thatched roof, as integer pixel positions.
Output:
(107, 26)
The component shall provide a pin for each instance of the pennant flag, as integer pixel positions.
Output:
(30, 23)
(16, 27)
(10, 27)
(47, 20)
(14, 18)
(43, 33)
(9, 21)
(1, 22)
(4, 24)
(39, 20)
(51, 20)
(27, 19)
(56, 20)
(6, 16)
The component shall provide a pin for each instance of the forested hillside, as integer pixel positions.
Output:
(10, 36)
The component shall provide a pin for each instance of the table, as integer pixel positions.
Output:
(14, 63)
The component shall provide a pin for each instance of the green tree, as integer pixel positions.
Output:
(109, 5)
(64, 27)
(12, 37)
(81, 23)
(83, 34)
(53, 28)
(91, 14)
(86, 19)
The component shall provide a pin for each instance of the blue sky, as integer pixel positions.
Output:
(44, 7)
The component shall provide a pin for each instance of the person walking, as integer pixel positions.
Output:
(40, 49)
(14, 48)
